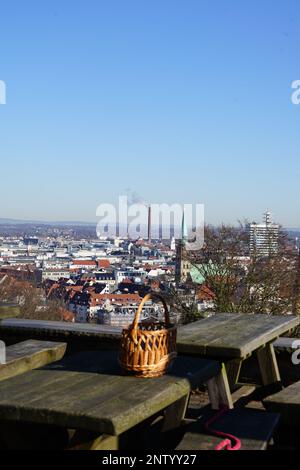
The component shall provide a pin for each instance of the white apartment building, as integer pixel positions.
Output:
(264, 238)
(135, 275)
(55, 274)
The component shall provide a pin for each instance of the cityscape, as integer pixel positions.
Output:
(78, 277)
(149, 232)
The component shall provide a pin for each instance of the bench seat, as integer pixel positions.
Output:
(254, 428)
(286, 402)
(28, 355)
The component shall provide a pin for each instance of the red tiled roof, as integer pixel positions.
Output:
(103, 263)
(84, 262)
(127, 281)
(74, 288)
(71, 290)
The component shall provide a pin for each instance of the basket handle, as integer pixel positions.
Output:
(147, 297)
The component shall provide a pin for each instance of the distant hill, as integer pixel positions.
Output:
(294, 232)
(4, 221)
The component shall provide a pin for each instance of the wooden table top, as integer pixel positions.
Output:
(76, 329)
(89, 391)
(232, 335)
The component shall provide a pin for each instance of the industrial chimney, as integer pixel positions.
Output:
(149, 224)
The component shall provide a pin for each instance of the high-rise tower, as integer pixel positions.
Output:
(149, 225)
(263, 238)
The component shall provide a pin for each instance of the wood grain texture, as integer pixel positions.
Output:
(226, 334)
(233, 368)
(268, 365)
(28, 355)
(232, 335)
(76, 329)
(85, 440)
(286, 402)
(89, 391)
(219, 390)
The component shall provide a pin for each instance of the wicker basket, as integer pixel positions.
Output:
(148, 348)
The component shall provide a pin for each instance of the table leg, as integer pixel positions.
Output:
(268, 365)
(175, 413)
(219, 390)
(233, 368)
(85, 440)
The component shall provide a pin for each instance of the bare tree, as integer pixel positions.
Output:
(241, 283)
(31, 300)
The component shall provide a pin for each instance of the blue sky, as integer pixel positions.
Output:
(180, 101)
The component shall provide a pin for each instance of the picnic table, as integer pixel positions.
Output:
(232, 338)
(89, 393)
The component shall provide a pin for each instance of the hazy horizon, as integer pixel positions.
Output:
(8, 221)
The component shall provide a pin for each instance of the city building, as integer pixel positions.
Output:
(123, 315)
(55, 274)
(264, 237)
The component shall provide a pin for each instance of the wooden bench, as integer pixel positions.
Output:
(254, 428)
(287, 402)
(28, 355)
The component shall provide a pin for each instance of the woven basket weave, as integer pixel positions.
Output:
(148, 348)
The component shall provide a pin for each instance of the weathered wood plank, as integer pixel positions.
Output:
(175, 413)
(28, 355)
(209, 333)
(81, 329)
(89, 391)
(268, 365)
(84, 440)
(233, 368)
(287, 402)
(211, 324)
(196, 336)
(237, 336)
(251, 333)
(253, 427)
(219, 390)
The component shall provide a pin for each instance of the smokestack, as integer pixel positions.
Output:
(149, 224)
